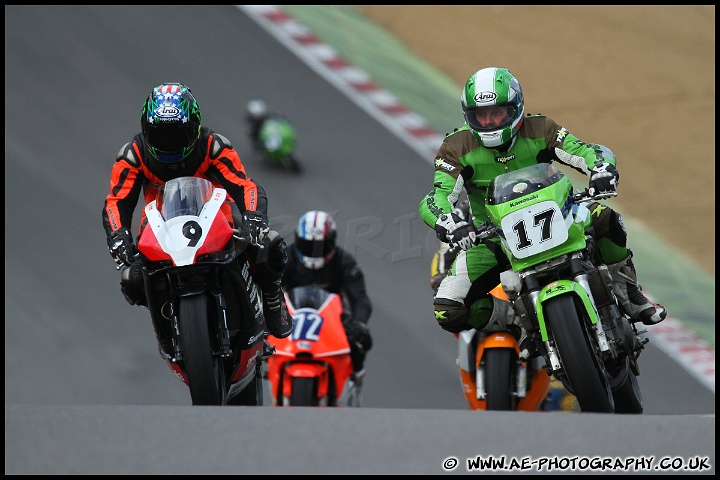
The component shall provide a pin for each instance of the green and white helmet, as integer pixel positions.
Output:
(493, 105)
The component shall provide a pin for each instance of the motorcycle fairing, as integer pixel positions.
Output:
(534, 213)
(278, 138)
(317, 347)
(469, 358)
(245, 372)
(207, 232)
(317, 370)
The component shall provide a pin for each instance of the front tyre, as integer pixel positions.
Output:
(203, 371)
(293, 164)
(579, 355)
(500, 367)
(303, 392)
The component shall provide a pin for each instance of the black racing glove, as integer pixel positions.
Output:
(452, 229)
(255, 226)
(121, 246)
(604, 178)
(358, 334)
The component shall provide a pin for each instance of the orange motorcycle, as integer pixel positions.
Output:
(312, 366)
(492, 375)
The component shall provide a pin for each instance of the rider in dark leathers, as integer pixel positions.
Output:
(316, 259)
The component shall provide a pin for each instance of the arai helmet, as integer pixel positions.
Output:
(493, 105)
(170, 122)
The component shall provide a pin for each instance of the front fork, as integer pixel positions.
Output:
(223, 332)
(531, 313)
(504, 340)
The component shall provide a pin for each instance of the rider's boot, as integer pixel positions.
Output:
(627, 290)
(503, 316)
(270, 263)
(356, 378)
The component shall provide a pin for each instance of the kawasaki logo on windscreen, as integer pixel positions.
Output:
(524, 200)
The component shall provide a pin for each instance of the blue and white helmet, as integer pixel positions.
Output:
(315, 239)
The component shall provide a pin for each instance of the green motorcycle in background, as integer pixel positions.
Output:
(564, 300)
(272, 136)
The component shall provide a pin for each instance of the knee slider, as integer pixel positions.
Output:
(132, 285)
(132, 276)
(451, 315)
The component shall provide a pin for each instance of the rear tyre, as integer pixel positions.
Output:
(627, 395)
(500, 368)
(204, 372)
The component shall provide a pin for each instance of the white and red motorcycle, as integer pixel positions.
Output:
(203, 302)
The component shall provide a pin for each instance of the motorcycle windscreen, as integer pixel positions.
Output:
(181, 238)
(183, 196)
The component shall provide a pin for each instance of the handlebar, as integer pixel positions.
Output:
(489, 230)
(588, 195)
(135, 258)
(243, 240)
(484, 231)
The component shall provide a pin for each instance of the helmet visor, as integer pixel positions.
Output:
(314, 248)
(493, 117)
(171, 139)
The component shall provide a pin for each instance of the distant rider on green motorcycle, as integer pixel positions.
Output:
(497, 138)
(272, 135)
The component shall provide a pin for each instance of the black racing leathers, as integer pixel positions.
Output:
(340, 275)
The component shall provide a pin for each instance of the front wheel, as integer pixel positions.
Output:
(204, 372)
(500, 366)
(290, 162)
(579, 354)
(303, 392)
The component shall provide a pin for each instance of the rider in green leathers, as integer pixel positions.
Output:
(497, 138)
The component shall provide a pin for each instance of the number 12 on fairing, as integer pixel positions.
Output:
(307, 326)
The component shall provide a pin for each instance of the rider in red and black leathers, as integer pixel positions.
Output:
(214, 158)
(181, 147)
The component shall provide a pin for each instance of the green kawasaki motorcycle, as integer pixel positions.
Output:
(277, 143)
(563, 300)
